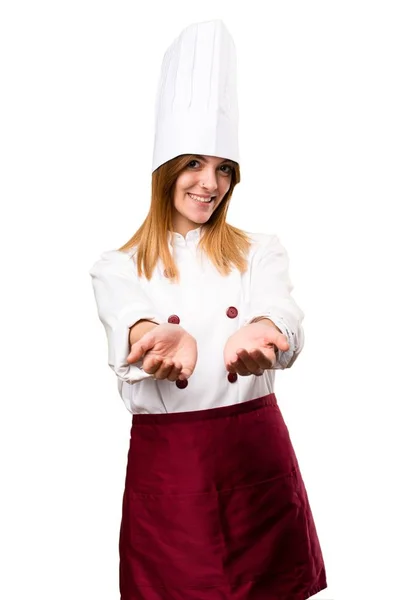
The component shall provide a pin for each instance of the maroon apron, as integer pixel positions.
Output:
(215, 508)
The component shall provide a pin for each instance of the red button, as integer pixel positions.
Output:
(174, 319)
(232, 312)
(181, 384)
(232, 377)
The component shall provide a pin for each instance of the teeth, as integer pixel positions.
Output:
(199, 199)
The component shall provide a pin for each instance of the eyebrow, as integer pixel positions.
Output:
(206, 159)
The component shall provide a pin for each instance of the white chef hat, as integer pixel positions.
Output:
(196, 106)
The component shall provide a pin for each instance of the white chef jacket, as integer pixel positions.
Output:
(201, 301)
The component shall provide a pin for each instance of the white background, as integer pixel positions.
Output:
(319, 105)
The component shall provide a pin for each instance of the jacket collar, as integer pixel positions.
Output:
(192, 237)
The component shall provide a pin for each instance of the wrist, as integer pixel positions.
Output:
(139, 329)
(266, 321)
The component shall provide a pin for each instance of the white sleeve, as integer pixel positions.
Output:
(270, 297)
(121, 302)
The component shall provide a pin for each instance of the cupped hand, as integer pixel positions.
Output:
(252, 349)
(168, 352)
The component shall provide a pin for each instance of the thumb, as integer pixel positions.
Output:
(185, 373)
(282, 342)
(139, 348)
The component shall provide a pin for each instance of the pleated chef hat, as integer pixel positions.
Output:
(196, 105)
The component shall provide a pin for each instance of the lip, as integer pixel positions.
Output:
(202, 195)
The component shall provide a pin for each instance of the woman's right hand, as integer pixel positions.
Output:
(168, 352)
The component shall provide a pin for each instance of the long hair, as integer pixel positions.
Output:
(225, 245)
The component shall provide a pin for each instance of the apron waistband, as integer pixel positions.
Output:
(202, 415)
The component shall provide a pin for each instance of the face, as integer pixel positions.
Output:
(199, 189)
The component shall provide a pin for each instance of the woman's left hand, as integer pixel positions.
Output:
(252, 348)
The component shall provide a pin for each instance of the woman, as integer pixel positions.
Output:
(198, 316)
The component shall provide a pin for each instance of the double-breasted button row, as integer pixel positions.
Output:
(231, 312)
(181, 384)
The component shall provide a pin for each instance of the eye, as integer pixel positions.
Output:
(228, 167)
(191, 165)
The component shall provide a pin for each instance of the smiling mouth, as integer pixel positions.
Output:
(201, 200)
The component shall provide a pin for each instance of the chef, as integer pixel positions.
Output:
(198, 316)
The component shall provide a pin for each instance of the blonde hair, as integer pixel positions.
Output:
(226, 246)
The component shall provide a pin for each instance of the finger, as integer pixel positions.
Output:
(185, 373)
(175, 371)
(135, 354)
(140, 348)
(238, 367)
(264, 359)
(164, 370)
(151, 365)
(280, 340)
(249, 363)
(253, 362)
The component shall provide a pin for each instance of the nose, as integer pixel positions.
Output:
(209, 180)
